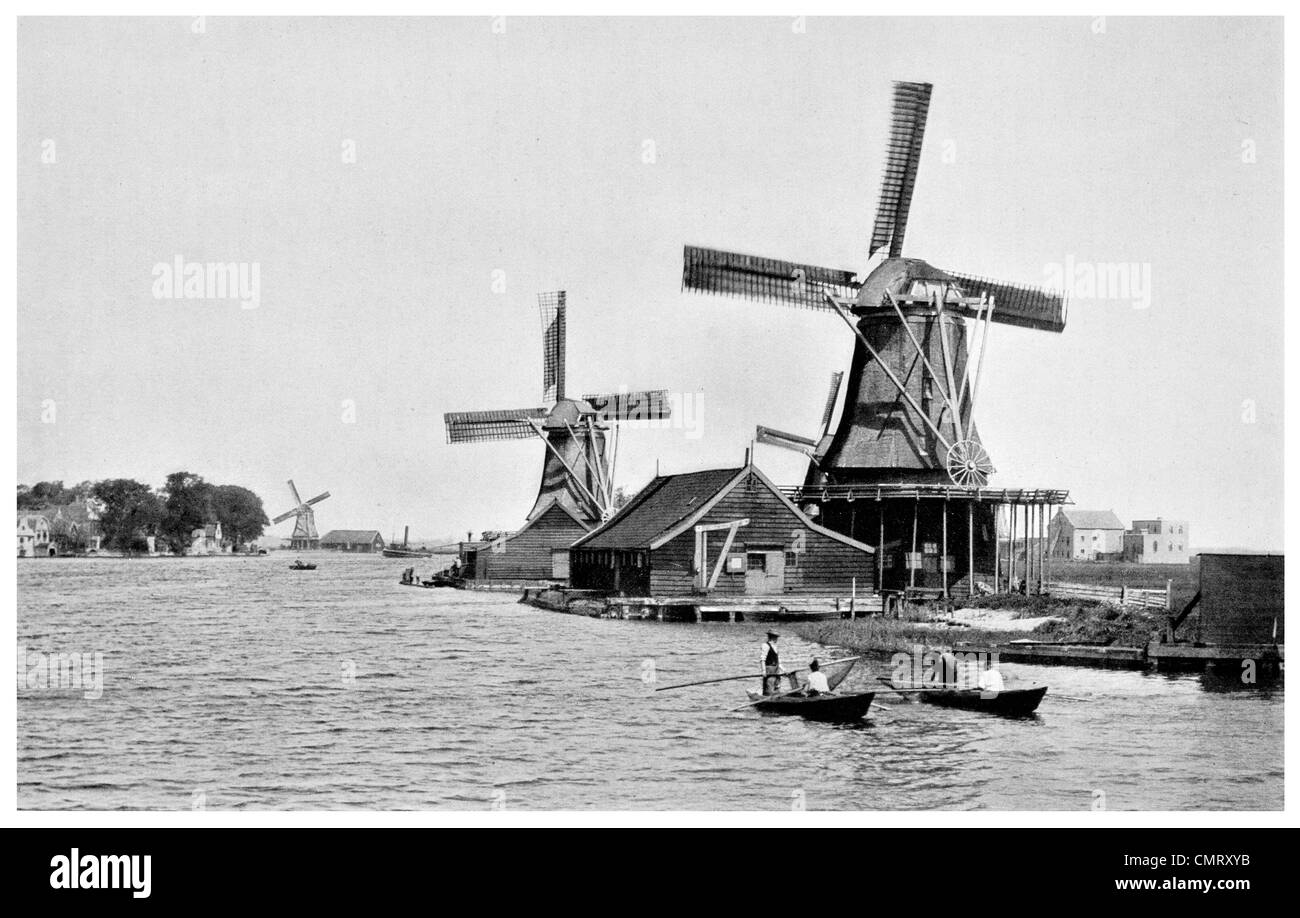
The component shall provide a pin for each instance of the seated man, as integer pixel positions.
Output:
(991, 681)
(817, 684)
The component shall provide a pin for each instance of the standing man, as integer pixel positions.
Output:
(771, 664)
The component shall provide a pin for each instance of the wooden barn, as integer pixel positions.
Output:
(723, 532)
(538, 551)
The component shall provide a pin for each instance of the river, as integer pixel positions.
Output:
(234, 683)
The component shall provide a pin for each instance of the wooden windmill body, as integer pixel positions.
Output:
(906, 437)
(304, 537)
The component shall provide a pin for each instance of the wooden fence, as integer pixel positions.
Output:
(1121, 595)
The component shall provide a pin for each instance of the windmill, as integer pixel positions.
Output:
(304, 535)
(908, 416)
(580, 435)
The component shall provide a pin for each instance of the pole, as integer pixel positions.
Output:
(970, 549)
(911, 561)
(880, 551)
(997, 549)
(1011, 550)
(943, 557)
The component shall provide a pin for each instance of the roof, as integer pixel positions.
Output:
(33, 519)
(669, 506)
(1092, 519)
(661, 504)
(351, 535)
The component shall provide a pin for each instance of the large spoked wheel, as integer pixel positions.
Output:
(968, 464)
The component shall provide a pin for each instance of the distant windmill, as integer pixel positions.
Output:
(581, 442)
(304, 535)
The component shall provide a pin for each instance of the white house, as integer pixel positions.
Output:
(1084, 535)
(206, 540)
(38, 526)
(1158, 541)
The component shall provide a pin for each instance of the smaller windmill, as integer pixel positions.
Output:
(305, 537)
(581, 434)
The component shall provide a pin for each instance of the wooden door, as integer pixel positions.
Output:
(764, 572)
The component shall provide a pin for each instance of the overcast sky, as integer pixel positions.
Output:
(521, 154)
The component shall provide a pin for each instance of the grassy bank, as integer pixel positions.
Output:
(1074, 621)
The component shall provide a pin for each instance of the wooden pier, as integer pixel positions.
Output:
(1156, 655)
(702, 608)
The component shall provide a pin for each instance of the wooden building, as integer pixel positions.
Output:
(538, 551)
(364, 541)
(1240, 599)
(722, 532)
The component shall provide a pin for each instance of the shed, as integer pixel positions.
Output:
(358, 540)
(538, 551)
(725, 532)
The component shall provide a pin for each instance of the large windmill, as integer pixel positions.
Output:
(304, 535)
(907, 420)
(581, 440)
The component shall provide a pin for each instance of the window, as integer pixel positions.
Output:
(1155, 546)
(791, 560)
(757, 561)
(930, 548)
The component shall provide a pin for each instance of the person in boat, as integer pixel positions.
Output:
(454, 571)
(947, 669)
(991, 680)
(408, 575)
(771, 664)
(817, 684)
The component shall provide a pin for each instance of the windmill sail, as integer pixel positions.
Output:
(482, 426)
(829, 411)
(1018, 304)
(902, 158)
(774, 437)
(764, 280)
(554, 319)
(652, 405)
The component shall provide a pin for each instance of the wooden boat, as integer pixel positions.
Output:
(829, 707)
(1017, 701)
(404, 550)
(299, 566)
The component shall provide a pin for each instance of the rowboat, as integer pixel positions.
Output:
(828, 707)
(831, 708)
(1009, 702)
(302, 567)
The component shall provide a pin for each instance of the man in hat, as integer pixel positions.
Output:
(771, 665)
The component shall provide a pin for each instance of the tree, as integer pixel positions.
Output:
(188, 506)
(131, 512)
(240, 513)
(42, 494)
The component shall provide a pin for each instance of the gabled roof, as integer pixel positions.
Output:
(673, 504)
(538, 516)
(658, 507)
(1092, 519)
(351, 535)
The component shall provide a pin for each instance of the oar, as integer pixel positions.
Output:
(758, 676)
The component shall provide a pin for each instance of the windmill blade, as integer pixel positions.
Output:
(764, 280)
(651, 405)
(1018, 304)
(774, 437)
(554, 319)
(318, 498)
(902, 157)
(294, 488)
(829, 411)
(284, 516)
(481, 426)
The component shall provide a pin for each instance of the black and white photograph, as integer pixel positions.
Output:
(500, 416)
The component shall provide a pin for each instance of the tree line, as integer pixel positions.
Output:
(131, 511)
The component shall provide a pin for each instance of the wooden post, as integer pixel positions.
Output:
(970, 549)
(1011, 550)
(1042, 547)
(880, 551)
(943, 556)
(911, 568)
(997, 549)
(853, 600)
(1047, 578)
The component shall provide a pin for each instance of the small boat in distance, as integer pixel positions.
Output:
(404, 550)
(299, 566)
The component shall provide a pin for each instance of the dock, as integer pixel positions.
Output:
(701, 608)
(1159, 656)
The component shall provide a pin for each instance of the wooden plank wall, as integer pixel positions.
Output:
(527, 556)
(825, 567)
(1241, 597)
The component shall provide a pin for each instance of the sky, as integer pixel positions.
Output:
(405, 188)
